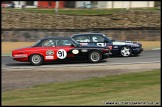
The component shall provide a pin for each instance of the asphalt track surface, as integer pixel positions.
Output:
(147, 56)
(17, 75)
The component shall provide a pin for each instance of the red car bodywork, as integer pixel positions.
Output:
(23, 54)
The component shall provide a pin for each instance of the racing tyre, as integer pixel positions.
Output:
(95, 57)
(126, 51)
(36, 59)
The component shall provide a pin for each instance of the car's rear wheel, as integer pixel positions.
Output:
(125, 51)
(95, 56)
(36, 59)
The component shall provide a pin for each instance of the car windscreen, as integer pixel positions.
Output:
(37, 43)
(63, 42)
(44, 43)
(109, 39)
(53, 43)
(75, 42)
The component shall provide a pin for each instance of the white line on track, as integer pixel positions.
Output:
(156, 49)
(83, 65)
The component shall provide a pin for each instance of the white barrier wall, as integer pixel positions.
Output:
(124, 4)
(20, 4)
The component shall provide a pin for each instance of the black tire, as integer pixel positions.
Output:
(95, 56)
(125, 51)
(36, 59)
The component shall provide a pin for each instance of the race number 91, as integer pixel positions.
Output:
(61, 54)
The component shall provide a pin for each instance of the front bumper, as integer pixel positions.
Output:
(20, 59)
(137, 50)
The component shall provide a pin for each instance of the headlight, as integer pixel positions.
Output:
(136, 45)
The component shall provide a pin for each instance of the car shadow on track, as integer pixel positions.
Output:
(54, 63)
(19, 64)
(117, 56)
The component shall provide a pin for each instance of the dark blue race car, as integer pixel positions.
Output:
(120, 48)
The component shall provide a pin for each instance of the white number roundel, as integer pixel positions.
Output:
(61, 54)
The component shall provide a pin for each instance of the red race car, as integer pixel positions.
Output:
(59, 48)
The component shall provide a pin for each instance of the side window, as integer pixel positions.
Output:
(48, 43)
(97, 38)
(82, 38)
(63, 43)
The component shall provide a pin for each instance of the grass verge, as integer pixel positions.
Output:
(136, 87)
(147, 45)
(68, 11)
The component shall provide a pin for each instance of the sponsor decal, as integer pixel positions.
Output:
(101, 44)
(84, 50)
(49, 52)
(20, 55)
(75, 51)
(61, 54)
(115, 46)
(128, 41)
(118, 43)
(83, 44)
(49, 57)
(86, 40)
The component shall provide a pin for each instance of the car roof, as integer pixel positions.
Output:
(87, 34)
(56, 37)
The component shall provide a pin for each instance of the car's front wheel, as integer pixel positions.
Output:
(95, 56)
(125, 51)
(36, 59)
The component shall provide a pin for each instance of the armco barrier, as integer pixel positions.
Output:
(30, 35)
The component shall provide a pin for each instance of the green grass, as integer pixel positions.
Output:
(143, 86)
(81, 11)
(69, 11)
(89, 12)
(6, 54)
